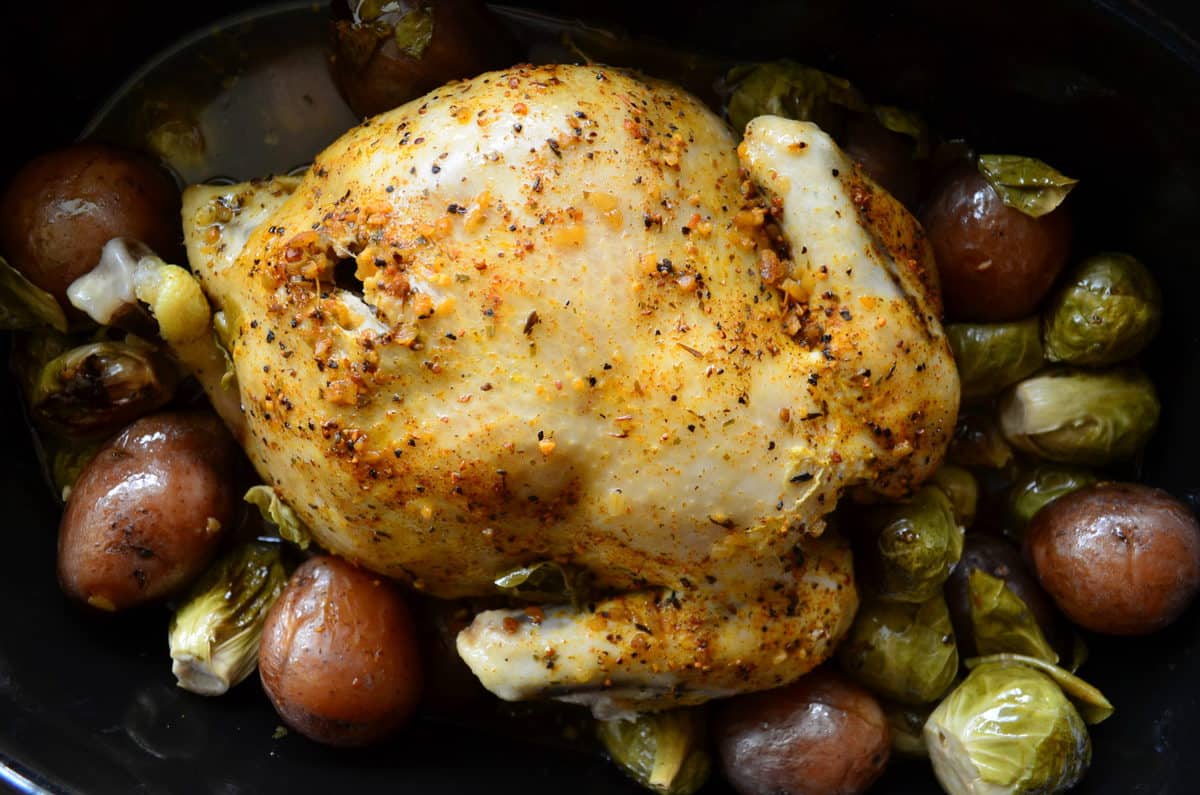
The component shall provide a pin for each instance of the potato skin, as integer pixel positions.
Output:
(339, 656)
(63, 206)
(1117, 558)
(821, 735)
(995, 263)
(147, 514)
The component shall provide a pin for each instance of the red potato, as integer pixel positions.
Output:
(339, 656)
(1117, 558)
(995, 263)
(147, 514)
(821, 735)
(62, 207)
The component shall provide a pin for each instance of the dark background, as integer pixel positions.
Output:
(1107, 91)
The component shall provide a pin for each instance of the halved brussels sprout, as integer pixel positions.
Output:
(102, 386)
(1081, 417)
(991, 356)
(903, 652)
(278, 513)
(1108, 310)
(24, 306)
(663, 751)
(917, 545)
(979, 442)
(215, 633)
(1001, 622)
(1007, 729)
(962, 489)
(1040, 487)
(791, 90)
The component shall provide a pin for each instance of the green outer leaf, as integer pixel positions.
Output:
(979, 442)
(1002, 622)
(414, 31)
(960, 486)
(905, 122)
(545, 581)
(1090, 702)
(1081, 417)
(1040, 487)
(991, 356)
(663, 751)
(1107, 311)
(24, 305)
(1026, 183)
(278, 513)
(906, 722)
(788, 89)
(904, 652)
(1007, 729)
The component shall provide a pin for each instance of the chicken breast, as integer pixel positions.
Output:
(547, 315)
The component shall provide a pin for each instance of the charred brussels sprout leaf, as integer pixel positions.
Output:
(1007, 729)
(278, 513)
(1001, 622)
(102, 386)
(1026, 183)
(215, 633)
(1079, 417)
(1040, 487)
(979, 442)
(788, 89)
(907, 723)
(963, 490)
(664, 751)
(904, 652)
(25, 306)
(545, 581)
(1108, 310)
(1090, 702)
(917, 545)
(991, 356)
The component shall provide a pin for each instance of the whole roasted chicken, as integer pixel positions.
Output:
(556, 321)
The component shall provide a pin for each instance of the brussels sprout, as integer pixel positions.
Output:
(215, 632)
(904, 652)
(663, 751)
(68, 457)
(545, 581)
(1091, 703)
(978, 442)
(1040, 487)
(788, 89)
(1007, 729)
(962, 489)
(1026, 183)
(278, 513)
(102, 386)
(1108, 310)
(25, 306)
(1079, 417)
(907, 723)
(991, 356)
(917, 546)
(1001, 622)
